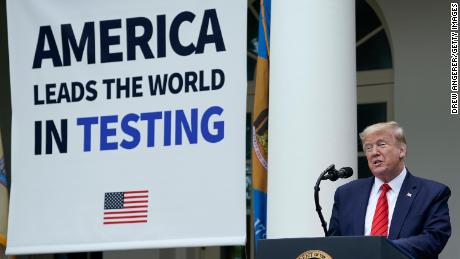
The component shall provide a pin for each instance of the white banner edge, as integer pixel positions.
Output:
(22, 250)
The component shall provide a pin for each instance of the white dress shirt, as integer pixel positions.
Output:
(392, 196)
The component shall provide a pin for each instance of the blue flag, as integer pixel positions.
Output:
(260, 124)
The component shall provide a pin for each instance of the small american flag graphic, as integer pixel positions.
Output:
(126, 207)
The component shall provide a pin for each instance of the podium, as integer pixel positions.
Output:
(349, 247)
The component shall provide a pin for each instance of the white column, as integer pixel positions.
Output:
(312, 121)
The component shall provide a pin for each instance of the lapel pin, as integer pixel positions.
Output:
(409, 194)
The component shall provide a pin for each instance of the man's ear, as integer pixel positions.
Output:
(402, 151)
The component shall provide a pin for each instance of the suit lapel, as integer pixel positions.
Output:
(406, 196)
(361, 202)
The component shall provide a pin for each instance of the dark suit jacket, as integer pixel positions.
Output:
(420, 223)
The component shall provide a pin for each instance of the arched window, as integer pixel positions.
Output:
(374, 71)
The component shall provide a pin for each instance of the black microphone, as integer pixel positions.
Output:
(334, 174)
(329, 174)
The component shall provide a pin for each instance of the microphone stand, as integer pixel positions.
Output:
(317, 206)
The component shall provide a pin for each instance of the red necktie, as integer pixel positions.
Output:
(380, 221)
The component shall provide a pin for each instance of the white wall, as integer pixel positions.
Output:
(420, 38)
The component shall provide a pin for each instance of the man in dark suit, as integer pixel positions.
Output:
(412, 212)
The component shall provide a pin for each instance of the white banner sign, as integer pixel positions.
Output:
(128, 124)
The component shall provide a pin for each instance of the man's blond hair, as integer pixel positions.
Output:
(398, 131)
